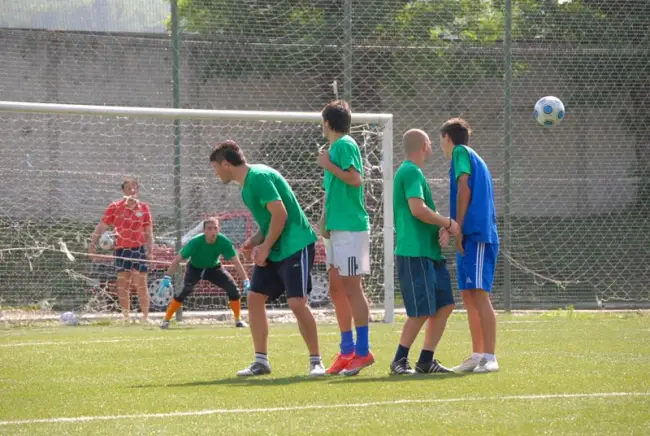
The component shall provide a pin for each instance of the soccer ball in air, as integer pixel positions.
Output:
(106, 241)
(549, 111)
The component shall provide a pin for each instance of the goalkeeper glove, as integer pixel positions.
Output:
(247, 287)
(164, 284)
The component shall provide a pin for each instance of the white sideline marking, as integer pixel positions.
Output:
(319, 407)
(157, 338)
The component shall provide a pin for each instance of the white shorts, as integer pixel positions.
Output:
(349, 252)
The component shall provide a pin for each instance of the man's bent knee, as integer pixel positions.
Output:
(352, 283)
(297, 303)
(256, 298)
(445, 311)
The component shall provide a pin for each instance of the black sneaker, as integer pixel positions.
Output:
(430, 367)
(401, 366)
(256, 368)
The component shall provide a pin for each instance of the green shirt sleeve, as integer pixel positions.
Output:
(461, 162)
(345, 155)
(265, 190)
(412, 183)
(226, 247)
(188, 250)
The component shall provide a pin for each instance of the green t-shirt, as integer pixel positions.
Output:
(204, 255)
(264, 185)
(344, 204)
(415, 238)
(461, 161)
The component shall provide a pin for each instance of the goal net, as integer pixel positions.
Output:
(64, 164)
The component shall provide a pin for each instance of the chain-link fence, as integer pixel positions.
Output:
(572, 200)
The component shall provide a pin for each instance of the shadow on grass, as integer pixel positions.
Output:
(283, 381)
(396, 378)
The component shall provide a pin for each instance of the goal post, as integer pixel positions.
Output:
(64, 164)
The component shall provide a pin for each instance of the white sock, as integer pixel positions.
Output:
(262, 358)
(315, 359)
(489, 357)
(477, 356)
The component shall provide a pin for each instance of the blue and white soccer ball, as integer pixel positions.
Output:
(549, 111)
(69, 318)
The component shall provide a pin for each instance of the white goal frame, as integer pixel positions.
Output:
(383, 120)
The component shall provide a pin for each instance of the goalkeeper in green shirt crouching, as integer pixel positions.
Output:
(204, 251)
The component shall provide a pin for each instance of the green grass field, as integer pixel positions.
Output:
(561, 373)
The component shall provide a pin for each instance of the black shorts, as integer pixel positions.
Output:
(215, 275)
(126, 259)
(291, 275)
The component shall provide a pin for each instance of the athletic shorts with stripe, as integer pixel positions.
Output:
(291, 275)
(349, 252)
(475, 270)
(425, 285)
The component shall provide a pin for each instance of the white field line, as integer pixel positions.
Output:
(155, 338)
(319, 407)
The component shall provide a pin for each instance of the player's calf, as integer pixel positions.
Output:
(343, 318)
(260, 331)
(475, 277)
(348, 255)
(309, 332)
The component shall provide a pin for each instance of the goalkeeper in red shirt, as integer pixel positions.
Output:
(133, 228)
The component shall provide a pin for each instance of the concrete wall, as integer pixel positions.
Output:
(71, 167)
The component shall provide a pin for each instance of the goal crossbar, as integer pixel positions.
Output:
(183, 114)
(383, 120)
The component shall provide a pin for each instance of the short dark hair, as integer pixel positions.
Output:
(458, 130)
(129, 180)
(210, 220)
(339, 116)
(229, 151)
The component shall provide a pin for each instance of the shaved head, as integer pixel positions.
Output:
(414, 140)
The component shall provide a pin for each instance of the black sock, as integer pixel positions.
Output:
(426, 356)
(401, 353)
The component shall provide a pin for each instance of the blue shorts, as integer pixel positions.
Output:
(126, 259)
(425, 285)
(475, 270)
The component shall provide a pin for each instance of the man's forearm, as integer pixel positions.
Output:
(148, 238)
(257, 238)
(349, 177)
(94, 238)
(240, 268)
(428, 216)
(275, 229)
(171, 269)
(462, 203)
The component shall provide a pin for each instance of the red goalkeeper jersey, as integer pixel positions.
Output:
(130, 224)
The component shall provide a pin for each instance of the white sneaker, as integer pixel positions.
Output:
(316, 369)
(256, 368)
(467, 366)
(487, 366)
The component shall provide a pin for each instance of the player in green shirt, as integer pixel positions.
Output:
(345, 227)
(203, 252)
(422, 270)
(283, 251)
